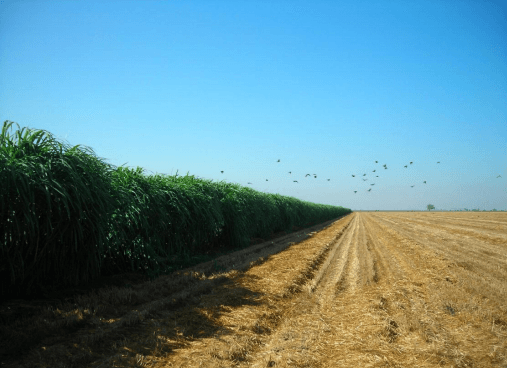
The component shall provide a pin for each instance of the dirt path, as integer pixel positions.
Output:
(370, 290)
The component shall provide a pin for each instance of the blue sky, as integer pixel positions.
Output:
(327, 87)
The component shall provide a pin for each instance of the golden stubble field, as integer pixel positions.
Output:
(379, 289)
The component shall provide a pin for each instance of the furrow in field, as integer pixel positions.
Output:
(317, 315)
(342, 273)
(387, 263)
(427, 315)
(333, 266)
(279, 292)
(489, 231)
(337, 324)
(488, 220)
(485, 267)
(366, 323)
(367, 262)
(463, 242)
(496, 238)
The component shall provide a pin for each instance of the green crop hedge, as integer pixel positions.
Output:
(67, 217)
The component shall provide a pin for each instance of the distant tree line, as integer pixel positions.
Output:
(432, 207)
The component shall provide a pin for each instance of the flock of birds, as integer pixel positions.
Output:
(369, 190)
(385, 168)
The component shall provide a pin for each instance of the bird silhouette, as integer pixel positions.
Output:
(372, 184)
(385, 167)
(374, 170)
(377, 176)
(405, 166)
(364, 175)
(498, 176)
(365, 179)
(355, 191)
(307, 175)
(328, 179)
(411, 186)
(249, 183)
(353, 176)
(290, 172)
(376, 162)
(266, 179)
(411, 162)
(424, 182)
(438, 162)
(278, 161)
(315, 176)
(369, 190)
(295, 181)
(222, 172)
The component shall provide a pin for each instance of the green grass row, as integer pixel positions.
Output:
(68, 217)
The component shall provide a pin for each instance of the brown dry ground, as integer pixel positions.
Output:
(380, 289)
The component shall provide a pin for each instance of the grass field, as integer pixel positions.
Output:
(379, 289)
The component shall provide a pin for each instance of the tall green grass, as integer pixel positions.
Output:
(68, 217)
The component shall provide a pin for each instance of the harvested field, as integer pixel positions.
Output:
(379, 289)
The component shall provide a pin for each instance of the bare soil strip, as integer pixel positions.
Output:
(369, 290)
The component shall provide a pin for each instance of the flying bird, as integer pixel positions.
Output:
(372, 184)
(498, 176)
(355, 191)
(328, 179)
(364, 175)
(249, 183)
(315, 176)
(365, 179)
(353, 176)
(307, 175)
(369, 190)
(290, 172)
(222, 172)
(266, 179)
(374, 170)
(376, 162)
(411, 162)
(438, 162)
(278, 161)
(424, 182)
(405, 166)
(411, 186)
(295, 181)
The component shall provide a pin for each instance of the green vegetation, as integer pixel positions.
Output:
(68, 217)
(430, 207)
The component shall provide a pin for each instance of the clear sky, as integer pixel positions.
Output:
(326, 87)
